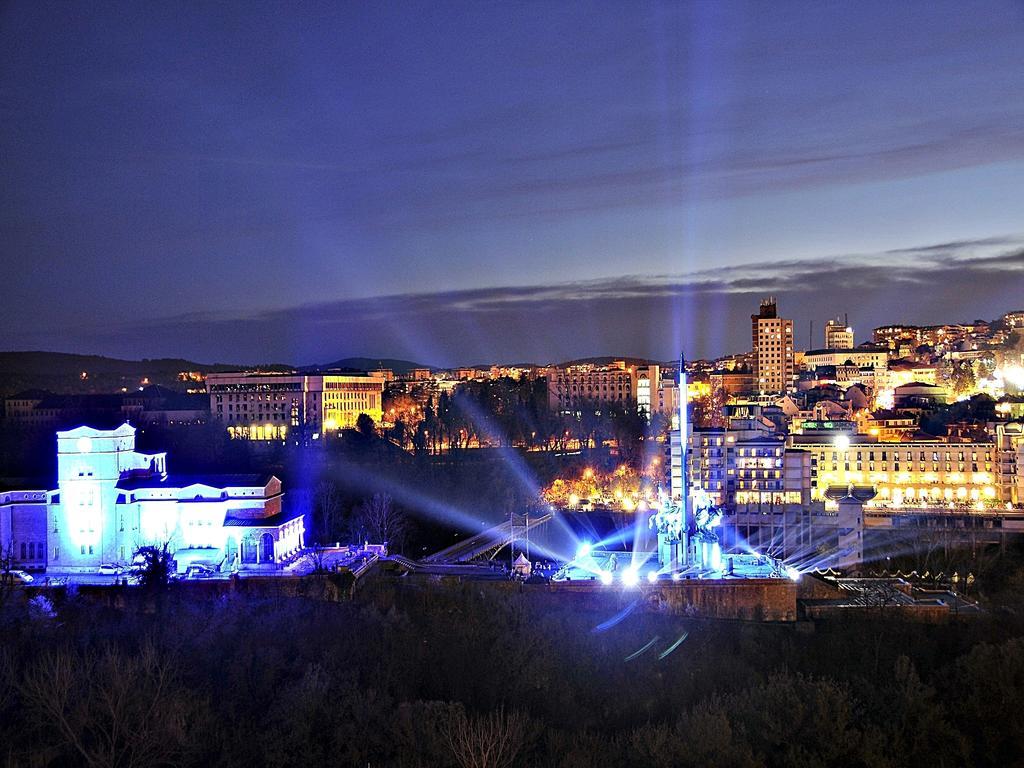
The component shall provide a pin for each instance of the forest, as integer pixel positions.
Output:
(432, 674)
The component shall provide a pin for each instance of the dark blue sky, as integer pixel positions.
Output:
(471, 182)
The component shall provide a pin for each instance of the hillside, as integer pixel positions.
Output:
(62, 372)
(372, 364)
(609, 359)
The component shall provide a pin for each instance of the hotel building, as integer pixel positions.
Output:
(270, 406)
(916, 473)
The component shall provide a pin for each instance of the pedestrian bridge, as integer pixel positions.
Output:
(486, 544)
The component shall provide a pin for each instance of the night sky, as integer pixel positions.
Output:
(465, 183)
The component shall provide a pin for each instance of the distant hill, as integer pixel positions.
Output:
(62, 372)
(372, 364)
(609, 359)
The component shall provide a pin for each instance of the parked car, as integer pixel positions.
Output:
(22, 576)
(198, 571)
(109, 569)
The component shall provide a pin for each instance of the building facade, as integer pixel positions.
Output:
(915, 473)
(763, 488)
(576, 385)
(271, 406)
(774, 363)
(859, 357)
(838, 335)
(110, 500)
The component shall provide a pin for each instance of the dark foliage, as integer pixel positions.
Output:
(407, 675)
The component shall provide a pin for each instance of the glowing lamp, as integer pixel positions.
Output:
(652, 576)
(606, 577)
(631, 578)
(583, 551)
(792, 573)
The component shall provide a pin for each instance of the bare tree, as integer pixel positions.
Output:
(316, 560)
(488, 741)
(326, 504)
(6, 578)
(111, 708)
(382, 521)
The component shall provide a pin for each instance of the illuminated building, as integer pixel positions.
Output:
(917, 394)
(1010, 468)
(111, 500)
(920, 473)
(743, 463)
(763, 488)
(772, 337)
(572, 386)
(1014, 319)
(896, 336)
(838, 335)
(655, 393)
(271, 406)
(861, 357)
(887, 425)
(1010, 407)
(901, 373)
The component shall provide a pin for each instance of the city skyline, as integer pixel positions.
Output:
(465, 184)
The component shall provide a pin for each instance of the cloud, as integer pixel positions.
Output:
(654, 316)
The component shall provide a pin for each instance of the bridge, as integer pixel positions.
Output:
(486, 544)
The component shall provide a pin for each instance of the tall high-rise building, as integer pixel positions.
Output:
(774, 366)
(838, 335)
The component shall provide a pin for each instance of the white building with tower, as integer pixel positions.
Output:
(111, 500)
